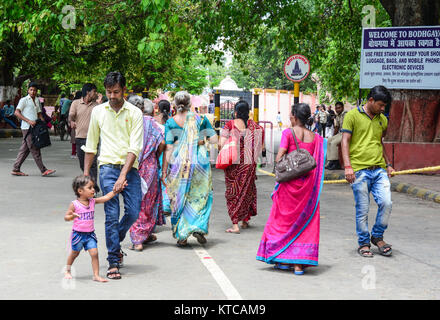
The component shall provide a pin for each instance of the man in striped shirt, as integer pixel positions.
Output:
(79, 119)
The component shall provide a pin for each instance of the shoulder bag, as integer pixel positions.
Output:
(295, 164)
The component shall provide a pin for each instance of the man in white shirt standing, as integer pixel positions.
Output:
(28, 111)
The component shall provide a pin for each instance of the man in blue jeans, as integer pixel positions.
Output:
(119, 126)
(367, 168)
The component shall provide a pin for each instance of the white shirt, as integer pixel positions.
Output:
(29, 108)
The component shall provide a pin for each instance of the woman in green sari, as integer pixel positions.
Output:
(187, 171)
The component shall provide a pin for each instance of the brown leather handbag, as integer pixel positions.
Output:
(295, 164)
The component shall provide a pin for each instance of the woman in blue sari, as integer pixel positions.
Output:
(186, 171)
(161, 118)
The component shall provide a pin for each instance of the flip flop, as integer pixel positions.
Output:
(48, 173)
(244, 225)
(132, 247)
(280, 266)
(18, 173)
(230, 231)
(151, 238)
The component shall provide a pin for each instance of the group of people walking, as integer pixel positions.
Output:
(160, 165)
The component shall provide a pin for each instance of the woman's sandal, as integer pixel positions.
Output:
(151, 238)
(133, 247)
(200, 237)
(281, 266)
(109, 273)
(382, 249)
(366, 253)
(182, 243)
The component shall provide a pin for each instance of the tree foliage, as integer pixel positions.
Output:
(150, 41)
(327, 32)
(170, 43)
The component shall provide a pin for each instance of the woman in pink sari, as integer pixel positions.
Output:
(291, 235)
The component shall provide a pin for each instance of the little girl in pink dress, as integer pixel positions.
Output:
(82, 212)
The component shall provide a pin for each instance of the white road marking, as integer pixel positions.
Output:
(219, 276)
(225, 284)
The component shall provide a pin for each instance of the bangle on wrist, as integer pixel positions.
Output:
(389, 165)
(348, 167)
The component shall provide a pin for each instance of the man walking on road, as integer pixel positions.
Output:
(335, 140)
(28, 111)
(367, 168)
(322, 119)
(119, 126)
(79, 119)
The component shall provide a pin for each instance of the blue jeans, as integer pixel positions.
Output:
(86, 240)
(9, 121)
(377, 182)
(115, 229)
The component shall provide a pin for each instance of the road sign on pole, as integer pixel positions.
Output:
(296, 69)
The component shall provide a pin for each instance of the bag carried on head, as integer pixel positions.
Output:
(40, 134)
(295, 164)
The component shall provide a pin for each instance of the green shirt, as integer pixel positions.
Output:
(366, 148)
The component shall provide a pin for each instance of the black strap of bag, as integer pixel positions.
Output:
(294, 137)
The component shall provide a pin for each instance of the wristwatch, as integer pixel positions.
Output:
(389, 165)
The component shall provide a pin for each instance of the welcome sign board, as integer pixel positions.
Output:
(401, 58)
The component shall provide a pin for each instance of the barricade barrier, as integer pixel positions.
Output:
(395, 173)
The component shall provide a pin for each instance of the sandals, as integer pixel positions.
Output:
(366, 253)
(121, 258)
(133, 247)
(232, 231)
(289, 267)
(200, 237)
(151, 238)
(182, 243)
(18, 173)
(48, 173)
(280, 266)
(382, 249)
(110, 273)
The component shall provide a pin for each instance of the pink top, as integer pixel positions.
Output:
(287, 142)
(85, 222)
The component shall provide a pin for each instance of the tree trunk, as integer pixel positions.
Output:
(414, 114)
(7, 90)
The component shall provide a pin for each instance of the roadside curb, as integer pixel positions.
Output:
(419, 192)
(397, 186)
(10, 133)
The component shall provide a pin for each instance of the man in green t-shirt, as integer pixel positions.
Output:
(367, 168)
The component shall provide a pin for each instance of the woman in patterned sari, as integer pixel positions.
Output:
(141, 232)
(188, 180)
(161, 118)
(291, 235)
(241, 192)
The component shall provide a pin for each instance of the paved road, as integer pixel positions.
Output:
(35, 237)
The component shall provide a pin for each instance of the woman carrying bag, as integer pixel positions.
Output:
(291, 235)
(247, 137)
